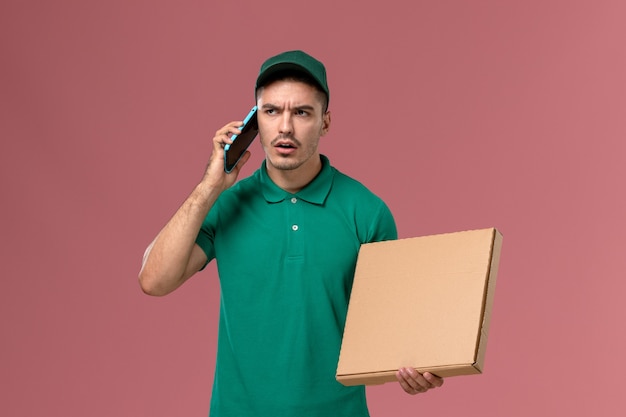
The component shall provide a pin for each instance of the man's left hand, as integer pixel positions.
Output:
(412, 382)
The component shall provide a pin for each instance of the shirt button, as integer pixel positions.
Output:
(294, 227)
(294, 200)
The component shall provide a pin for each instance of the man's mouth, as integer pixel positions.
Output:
(285, 147)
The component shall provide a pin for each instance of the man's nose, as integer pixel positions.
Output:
(286, 124)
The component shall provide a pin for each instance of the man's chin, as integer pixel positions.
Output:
(284, 163)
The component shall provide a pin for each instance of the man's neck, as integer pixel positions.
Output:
(294, 180)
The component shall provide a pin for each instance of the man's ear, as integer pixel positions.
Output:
(325, 123)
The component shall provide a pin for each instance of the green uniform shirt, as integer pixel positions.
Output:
(286, 264)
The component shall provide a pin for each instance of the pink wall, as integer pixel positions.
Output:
(459, 114)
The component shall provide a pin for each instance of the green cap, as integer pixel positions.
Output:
(294, 60)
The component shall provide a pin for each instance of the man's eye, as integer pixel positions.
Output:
(301, 113)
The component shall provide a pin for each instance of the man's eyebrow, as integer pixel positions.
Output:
(300, 107)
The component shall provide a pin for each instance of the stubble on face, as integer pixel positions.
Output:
(283, 99)
(289, 162)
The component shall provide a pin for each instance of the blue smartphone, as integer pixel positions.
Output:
(234, 151)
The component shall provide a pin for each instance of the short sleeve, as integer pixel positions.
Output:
(206, 235)
(383, 227)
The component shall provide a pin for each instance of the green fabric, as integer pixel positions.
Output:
(286, 264)
(294, 60)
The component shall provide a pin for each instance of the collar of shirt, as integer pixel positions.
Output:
(315, 192)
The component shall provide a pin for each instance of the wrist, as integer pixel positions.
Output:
(205, 193)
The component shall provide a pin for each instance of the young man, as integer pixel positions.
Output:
(286, 241)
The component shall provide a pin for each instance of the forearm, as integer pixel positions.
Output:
(173, 256)
(170, 260)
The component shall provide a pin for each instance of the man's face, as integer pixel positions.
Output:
(291, 122)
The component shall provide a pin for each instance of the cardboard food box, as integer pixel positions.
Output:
(423, 302)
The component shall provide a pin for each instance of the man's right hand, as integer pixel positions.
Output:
(215, 176)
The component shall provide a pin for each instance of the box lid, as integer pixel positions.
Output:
(423, 302)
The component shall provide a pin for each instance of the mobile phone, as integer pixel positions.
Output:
(234, 151)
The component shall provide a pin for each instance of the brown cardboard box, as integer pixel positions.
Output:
(423, 302)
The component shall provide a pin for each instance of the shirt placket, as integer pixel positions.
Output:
(296, 230)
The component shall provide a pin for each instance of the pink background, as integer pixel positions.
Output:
(459, 114)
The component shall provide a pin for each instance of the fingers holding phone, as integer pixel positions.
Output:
(226, 158)
(223, 135)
